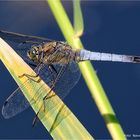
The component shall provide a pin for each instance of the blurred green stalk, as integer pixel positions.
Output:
(78, 18)
(88, 72)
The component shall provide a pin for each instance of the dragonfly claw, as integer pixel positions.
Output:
(20, 76)
(38, 80)
(31, 77)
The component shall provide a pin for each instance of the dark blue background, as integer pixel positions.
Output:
(109, 27)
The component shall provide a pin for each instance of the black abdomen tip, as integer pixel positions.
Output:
(136, 59)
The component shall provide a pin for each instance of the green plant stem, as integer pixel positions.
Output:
(88, 72)
(78, 18)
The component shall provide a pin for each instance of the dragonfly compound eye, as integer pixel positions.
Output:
(33, 54)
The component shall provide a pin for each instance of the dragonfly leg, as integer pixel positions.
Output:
(28, 75)
(48, 94)
(62, 70)
(31, 77)
(36, 119)
(47, 97)
(52, 69)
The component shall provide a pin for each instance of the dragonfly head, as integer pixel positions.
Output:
(33, 54)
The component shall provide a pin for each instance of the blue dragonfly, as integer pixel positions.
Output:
(53, 61)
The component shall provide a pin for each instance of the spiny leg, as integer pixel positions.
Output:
(36, 119)
(31, 77)
(47, 96)
(61, 71)
(51, 68)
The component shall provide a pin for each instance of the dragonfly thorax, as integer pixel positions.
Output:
(57, 53)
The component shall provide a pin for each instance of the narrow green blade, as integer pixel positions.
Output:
(78, 18)
(54, 114)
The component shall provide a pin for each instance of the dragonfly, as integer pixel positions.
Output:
(53, 61)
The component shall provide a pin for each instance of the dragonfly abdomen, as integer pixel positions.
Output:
(98, 56)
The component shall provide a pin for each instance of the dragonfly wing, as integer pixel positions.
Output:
(70, 75)
(15, 104)
(22, 43)
(67, 80)
(19, 38)
(22, 50)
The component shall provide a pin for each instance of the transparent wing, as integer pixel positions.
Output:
(14, 104)
(17, 103)
(22, 43)
(66, 82)
(18, 38)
